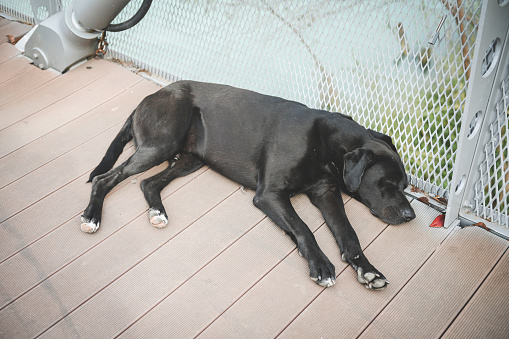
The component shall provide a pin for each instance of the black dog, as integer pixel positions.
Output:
(274, 146)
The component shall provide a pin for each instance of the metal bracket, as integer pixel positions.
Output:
(434, 37)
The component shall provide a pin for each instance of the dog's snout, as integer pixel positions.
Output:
(408, 214)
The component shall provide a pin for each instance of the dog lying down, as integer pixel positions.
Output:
(276, 147)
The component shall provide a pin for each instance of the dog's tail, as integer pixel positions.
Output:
(116, 148)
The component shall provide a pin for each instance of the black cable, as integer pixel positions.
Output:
(131, 22)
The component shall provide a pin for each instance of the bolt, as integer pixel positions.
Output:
(468, 204)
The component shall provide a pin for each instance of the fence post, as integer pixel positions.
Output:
(490, 65)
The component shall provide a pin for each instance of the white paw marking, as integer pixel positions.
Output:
(371, 281)
(157, 219)
(329, 282)
(370, 276)
(88, 227)
(324, 283)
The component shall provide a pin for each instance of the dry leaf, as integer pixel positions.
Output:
(424, 200)
(439, 221)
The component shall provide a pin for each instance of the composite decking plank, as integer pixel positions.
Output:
(53, 175)
(53, 91)
(169, 267)
(57, 208)
(65, 110)
(52, 145)
(274, 303)
(13, 28)
(270, 304)
(11, 68)
(486, 315)
(71, 286)
(441, 288)
(116, 209)
(7, 52)
(398, 252)
(224, 279)
(27, 240)
(4, 21)
(27, 81)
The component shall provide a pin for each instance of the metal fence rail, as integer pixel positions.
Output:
(399, 67)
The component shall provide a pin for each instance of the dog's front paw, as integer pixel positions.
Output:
(372, 280)
(322, 272)
(89, 226)
(157, 218)
(367, 275)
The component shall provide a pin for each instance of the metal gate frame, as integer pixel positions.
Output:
(484, 93)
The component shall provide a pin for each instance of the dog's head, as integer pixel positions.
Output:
(375, 175)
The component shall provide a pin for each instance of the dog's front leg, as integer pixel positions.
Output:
(327, 198)
(278, 208)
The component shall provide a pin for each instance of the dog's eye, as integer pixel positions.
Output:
(391, 182)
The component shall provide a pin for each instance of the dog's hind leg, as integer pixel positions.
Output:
(115, 149)
(152, 187)
(143, 159)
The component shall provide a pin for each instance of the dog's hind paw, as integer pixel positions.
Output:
(325, 282)
(371, 280)
(89, 226)
(157, 219)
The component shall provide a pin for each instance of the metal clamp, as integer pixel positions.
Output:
(433, 39)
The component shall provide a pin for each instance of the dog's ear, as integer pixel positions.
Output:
(355, 163)
(384, 137)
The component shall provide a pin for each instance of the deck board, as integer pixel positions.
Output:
(65, 138)
(7, 51)
(65, 110)
(13, 28)
(220, 268)
(489, 307)
(27, 80)
(14, 66)
(430, 304)
(223, 280)
(73, 81)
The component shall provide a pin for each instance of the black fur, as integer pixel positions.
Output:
(116, 148)
(274, 146)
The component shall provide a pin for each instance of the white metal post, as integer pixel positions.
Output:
(490, 67)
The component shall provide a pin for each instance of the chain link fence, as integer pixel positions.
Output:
(368, 59)
(372, 60)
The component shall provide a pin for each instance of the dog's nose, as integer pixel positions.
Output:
(408, 214)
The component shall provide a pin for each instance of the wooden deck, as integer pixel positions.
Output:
(221, 268)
